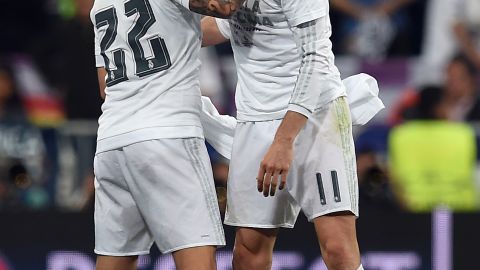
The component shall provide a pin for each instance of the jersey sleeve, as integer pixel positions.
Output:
(301, 11)
(318, 76)
(459, 11)
(224, 27)
(99, 61)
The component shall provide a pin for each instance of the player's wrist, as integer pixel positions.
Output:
(284, 139)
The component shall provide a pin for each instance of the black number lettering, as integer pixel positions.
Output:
(336, 188)
(323, 200)
(160, 59)
(118, 72)
(144, 65)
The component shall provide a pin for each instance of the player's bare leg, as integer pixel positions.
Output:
(338, 241)
(116, 263)
(254, 248)
(197, 258)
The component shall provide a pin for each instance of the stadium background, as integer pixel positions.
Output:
(49, 104)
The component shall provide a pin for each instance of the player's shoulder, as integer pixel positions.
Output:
(99, 5)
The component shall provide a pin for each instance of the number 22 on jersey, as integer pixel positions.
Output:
(115, 62)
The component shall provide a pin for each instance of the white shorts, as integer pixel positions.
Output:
(322, 177)
(159, 190)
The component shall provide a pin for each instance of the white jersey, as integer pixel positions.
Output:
(150, 50)
(267, 56)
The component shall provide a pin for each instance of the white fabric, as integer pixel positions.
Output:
(300, 11)
(163, 104)
(224, 28)
(362, 96)
(323, 146)
(266, 54)
(360, 267)
(218, 129)
(171, 200)
(319, 80)
(185, 3)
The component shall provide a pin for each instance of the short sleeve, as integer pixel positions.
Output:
(99, 61)
(301, 11)
(224, 27)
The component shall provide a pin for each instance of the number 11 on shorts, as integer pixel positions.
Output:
(336, 188)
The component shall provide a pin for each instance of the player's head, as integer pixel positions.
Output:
(430, 104)
(460, 80)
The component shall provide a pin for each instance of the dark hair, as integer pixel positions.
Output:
(430, 97)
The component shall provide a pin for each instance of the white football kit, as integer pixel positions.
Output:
(153, 175)
(285, 62)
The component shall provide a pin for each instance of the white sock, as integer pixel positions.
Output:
(360, 267)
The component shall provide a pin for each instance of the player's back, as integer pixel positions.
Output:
(150, 51)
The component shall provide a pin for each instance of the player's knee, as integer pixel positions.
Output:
(245, 258)
(340, 255)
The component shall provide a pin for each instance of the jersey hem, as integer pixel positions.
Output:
(223, 27)
(245, 117)
(299, 109)
(99, 61)
(327, 97)
(146, 134)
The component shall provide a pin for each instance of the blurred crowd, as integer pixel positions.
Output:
(421, 155)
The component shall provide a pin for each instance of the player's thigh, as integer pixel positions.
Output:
(196, 258)
(324, 166)
(120, 229)
(251, 142)
(172, 183)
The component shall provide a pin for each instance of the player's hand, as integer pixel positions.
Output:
(275, 165)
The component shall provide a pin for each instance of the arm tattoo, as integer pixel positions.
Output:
(216, 8)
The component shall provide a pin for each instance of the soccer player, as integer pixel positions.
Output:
(294, 132)
(153, 176)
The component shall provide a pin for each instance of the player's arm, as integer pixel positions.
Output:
(211, 32)
(276, 163)
(313, 41)
(215, 8)
(316, 74)
(101, 72)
